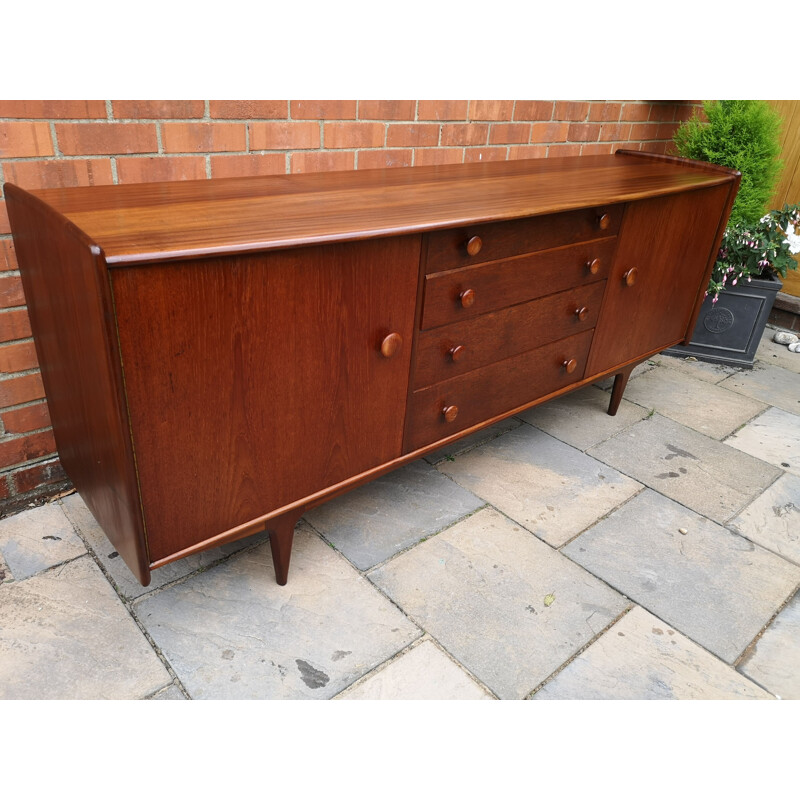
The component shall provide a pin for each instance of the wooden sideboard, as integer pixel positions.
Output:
(219, 356)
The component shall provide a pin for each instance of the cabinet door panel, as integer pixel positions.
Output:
(668, 242)
(255, 381)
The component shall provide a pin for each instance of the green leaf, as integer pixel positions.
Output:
(549, 599)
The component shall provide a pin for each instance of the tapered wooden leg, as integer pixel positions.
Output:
(620, 382)
(281, 535)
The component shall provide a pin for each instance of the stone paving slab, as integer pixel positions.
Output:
(393, 512)
(65, 635)
(773, 437)
(706, 475)
(702, 370)
(639, 369)
(770, 384)
(712, 585)
(580, 418)
(423, 673)
(772, 520)
(231, 632)
(127, 585)
(642, 658)
(504, 604)
(448, 452)
(552, 489)
(778, 355)
(774, 661)
(697, 404)
(37, 539)
(172, 692)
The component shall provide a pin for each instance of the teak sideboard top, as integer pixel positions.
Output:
(220, 356)
(140, 223)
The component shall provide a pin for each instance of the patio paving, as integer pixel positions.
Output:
(560, 554)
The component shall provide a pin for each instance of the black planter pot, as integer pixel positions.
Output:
(730, 330)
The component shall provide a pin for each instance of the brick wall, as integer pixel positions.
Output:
(49, 143)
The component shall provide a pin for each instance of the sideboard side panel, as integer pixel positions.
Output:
(256, 381)
(68, 296)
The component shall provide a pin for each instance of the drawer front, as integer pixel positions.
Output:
(490, 241)
(452, 350)
(488, 392)
(470, 291)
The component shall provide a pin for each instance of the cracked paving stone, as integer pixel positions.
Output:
(773, 437)
(232, 633)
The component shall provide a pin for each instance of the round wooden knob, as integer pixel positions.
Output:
(593, 266)
(457, 352)
(581, 313)
(474, 245)
(467, 298)
(391, 344)
(603, 221)
(450, 412)
(570, 366)
(630, 276)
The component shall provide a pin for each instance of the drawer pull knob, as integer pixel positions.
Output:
(391, 344)
(474, 245)
(570, 366)
(630, 276)
(467, 298)
(450, 413)
(603, 221)
(457, 352)
(581, 313)
(593, 266)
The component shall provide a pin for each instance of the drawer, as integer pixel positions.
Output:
(493, 240)
(470, 291)
(452, 350)
(485, 393)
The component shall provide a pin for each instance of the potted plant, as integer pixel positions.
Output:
(756, 248)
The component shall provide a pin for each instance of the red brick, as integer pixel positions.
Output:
(443, 110)
(323, 109)
(5, 225)
(53, 109)
(284, 135)
(465, 133)
(27, 419)
(644, 132)
(484, 154)
(14, 391)
(561, 150)
(14, 325)
(386, 109)
(161, 168)
(583, 132)
(685, 112)
(605, 112)
(23, 139)
(203, 137)
(549, 131)
(39, 475)
(431, 156)
(571, 111)
(598, 149)
(535, 110)
(662, 112)
(11, 293)
(18, 357)
(615, 132)
(157, 109)
(376, 159)
(106, 138)
(5, 492)
(527, 151)
(249, 109)
(239, 166)
(666, 130)
(511, 133)
(321, 161)
(412, 135)
(655, 147)
(354, 134)
(8, 257)
(54, 174)
(491, 109)
(635, 112)
(26, 448)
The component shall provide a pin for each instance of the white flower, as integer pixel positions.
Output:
(792, 239)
